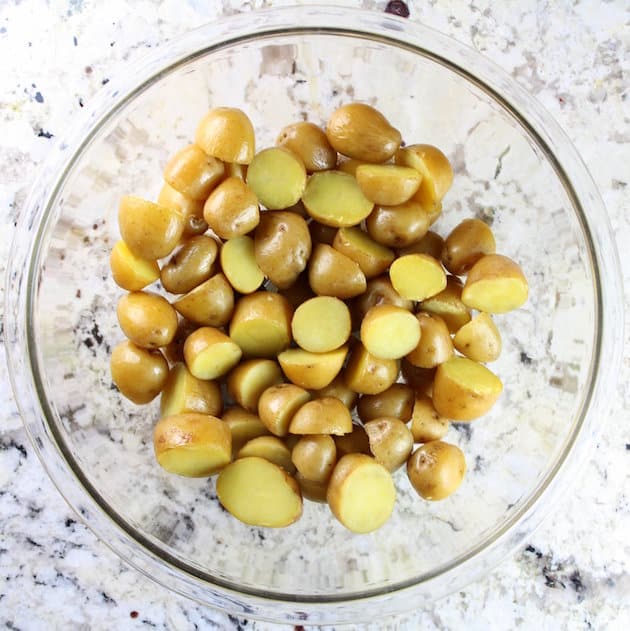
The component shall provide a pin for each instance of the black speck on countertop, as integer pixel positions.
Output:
(38, 97)
(44, 134)
(525, 358)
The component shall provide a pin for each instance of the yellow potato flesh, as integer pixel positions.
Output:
(479, 340)
(389, 332)
(388, 184)
(183, 392)
(130, 271)
(247, 381)
(278, 404)
(372, 257)
(243, 426)
(448, 305)
(426, 422)
(270, 448)
(322, 416)
(417, 276)
(321, 324)
(209, 353)
(312, 370)
(238, 263)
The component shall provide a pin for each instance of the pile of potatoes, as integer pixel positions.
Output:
(302, 284)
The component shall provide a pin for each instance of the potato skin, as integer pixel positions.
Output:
(435, 345)
(397, 402)
(138, 373)
(231, 210)
(147, 319)
(308, 141)
(191, 265)
(466, 244)
(391, 441)
(436, 470)
(228, 134)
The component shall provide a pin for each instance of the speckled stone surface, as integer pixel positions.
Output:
(573, 571)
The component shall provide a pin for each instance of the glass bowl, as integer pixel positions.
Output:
(514, 168)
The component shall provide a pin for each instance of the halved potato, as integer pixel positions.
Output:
(228, 134)
(183, 393)
(311, 490)
(239, 265)
(130, 271)
(270, 448)
(191, 265)
(448, 305)
(378, 291)
(417, 276)
(231, 210)
(308, 141)
(435, 345)
(139, 373)
(398, 226)
(431, 243)
(340, 390)
(322, 416)
(249, 379)
(243, 425)
(321, 324)
(314, 457)
(191, 209)
(466, 244)
(147, 319)
(193, 173)
(436, 470)
(372, 257)
(356, 442)
(391, 441)
(210, 304)
(312, 371)
(389, 332)
(209, 353)
(331, 273)
(388, 184)
(367, 374)
(278, 404)
(427, 423)
(395, 402)
(479, 340)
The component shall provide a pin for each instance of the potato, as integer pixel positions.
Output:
(431, 243)
(236, 170)
(495, 284)
(270, 448)
(243, 426)
(367, 374)
(338, 389)
(321, 233)
(130, 271)
(356, 442)
(389, 332)
(138, 373)
(185, 393)
(228, 134)
(278, 177)
(191, 265)
(299, 292)
(231, 210)
(278, 404)
(479, 340)
(193, 173)
(259, 493)
(192, 445)
(359, 131)
(314, 457)
(398, 226)
(331, 273)
(147, 319)
(379, 291)
(208, 304)
(322, 416)
(282, 245)
(321, 324)
(435, 344)
(191, 209)
(427, 423)
(238, 262)
(373, 258)
(309, 143)
(334, 198)
(395, 402)
(436, 470)
(417, 276)
(247, 381)
(448, 305)
(209, 353)
(361, 493)
(350, 165)
(312, 371)
(311, 490)
(464, 390)
(391, 441)
(150, 231)
(261, 324)
(174, 352)
(387, 184)
(466, 244)
(420, 379)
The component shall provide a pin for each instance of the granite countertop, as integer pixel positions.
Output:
(573, 572)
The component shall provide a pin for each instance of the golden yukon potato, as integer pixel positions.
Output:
(417, 276)
(435, 344)
(420, 379)
(331, 273)
(278, 177)
(236, 170)
(191, 265)
(299, 292)
(361, 493)
(436, 470)
(259, 493)
(395, 402)
(238, 262)
(150, 231)
(431, 243)
(278, 404)
(448, 305)
(185, 393)
(309, 143)
(191, 209)
(387, 184)
(334, 198)
(138, 373)
(479, 340)
(270, 448)
(356, 442)
(193, 173)
(322, 416)
(249, 379)
(261, 324)
(192, 445)
(391, 441)
(147, 319)
(464, 390)
(311, 490)
(367, 374)
(243, 426)
(231, 210)
(372, 257)
(209, 353)
(312, 371)
(130, 271)
(359, 131)
(398, 226)
(321, 233)
(209, 304)
(466, 244)
(350, 165)
(389, 332)
(427, 423)
(379, 291)
(282, 245)
(314, 457)
(495, 284)
(338, 389)
(228, 134)
(321, 324)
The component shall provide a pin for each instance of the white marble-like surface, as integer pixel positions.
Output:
(573, 572)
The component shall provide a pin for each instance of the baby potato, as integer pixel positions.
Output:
(238, 262)
(312, 371)
(334, 198)
(331, 273)
(299, 292)
(228, 134)
(350, 166)
(247, 381)
(322, 416)
(495, 284)
(259, 493)
(420, 379)
(338, 389)
(466, 244)
(389, 332)
(243, 426)
(427, 423)
(191, 209)
(147, 319)
(209, 304)
(479, 340)
(431, 243)
(367, 374)
(278, 404)
(359, 131)
(277, 177)
(387, 184)
(193, 173)
(311, 490)
(391, 441)
(138, 373)
(379, 291)
(372, 257)
(231, 210)
(282, 245)
(436, 470)
(398, 226)
(271, 449)
(435, 344)
(417, 276)
(209, 353)
(321, 324)
(184, 393)
(236, 170)
(309, 143)
(192, 445)
(356, 442)
(261, 324)
(130, 271)
(191, 265)
(314, 457)
(361, 493)
(150, 231)
(395, 402)
(448, 305)
(321, 233)
(464, 390)
(174, 352)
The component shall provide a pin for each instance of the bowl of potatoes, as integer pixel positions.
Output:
(312, 316)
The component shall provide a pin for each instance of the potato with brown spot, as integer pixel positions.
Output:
(395, 402)
(466, 244)
(436, 470)
(231, 210)
(191, 265)
(308, 141)
(147, 319)
(391, 441)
